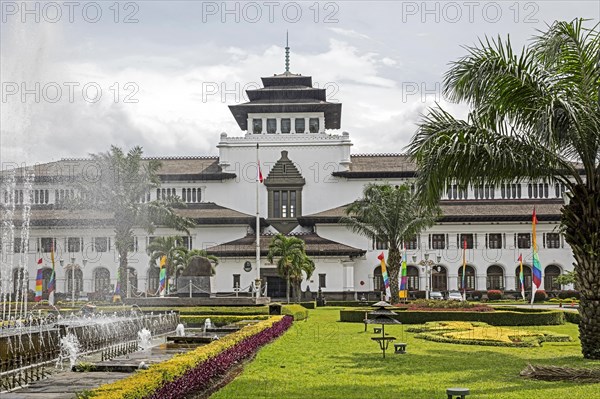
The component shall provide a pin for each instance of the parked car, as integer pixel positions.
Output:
(455, 296)
(436, 295)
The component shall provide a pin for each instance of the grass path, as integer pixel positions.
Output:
(323, 358)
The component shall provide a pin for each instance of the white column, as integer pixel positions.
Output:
(250, 126)
(322, 124)
(264, 125)
(293, 127)
(306, 127)
(278, 129)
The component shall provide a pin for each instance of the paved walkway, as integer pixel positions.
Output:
(65, 384)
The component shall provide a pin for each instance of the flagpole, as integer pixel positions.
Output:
(257, 230)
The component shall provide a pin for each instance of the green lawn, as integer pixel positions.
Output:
(323, 358)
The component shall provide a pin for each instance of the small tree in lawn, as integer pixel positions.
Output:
(291, 258)
(305, 267)
(389, 214)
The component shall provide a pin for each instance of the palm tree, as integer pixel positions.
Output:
(534, 115)
(120, 189)
(305, 267)
(171, 248)
(392, 215)
(292, 259)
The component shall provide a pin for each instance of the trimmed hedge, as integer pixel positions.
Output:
(298, 312)
(497, 318)
(572, 317)
(194, 370)
(568, 294)
(308, 305)
(349, 304)
(198, 320)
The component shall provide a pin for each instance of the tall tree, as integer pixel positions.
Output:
(291, 259)
(121, 189)
(304, 270)
(392, 215)
(534, 115)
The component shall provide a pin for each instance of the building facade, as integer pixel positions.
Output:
(310, 175)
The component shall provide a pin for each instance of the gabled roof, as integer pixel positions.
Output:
(365, 166)
(207, 213)
(315, 246)
(467, 211)
(172, 169)
(284, 172)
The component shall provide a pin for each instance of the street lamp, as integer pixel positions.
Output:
(427, 264)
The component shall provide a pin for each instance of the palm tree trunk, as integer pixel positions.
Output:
(581, 219)
(393, 267)
(287, 288)
(123, 273)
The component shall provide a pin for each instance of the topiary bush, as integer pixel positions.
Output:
(298, 312)
(568, 294)
(494, 295)
(540, 296)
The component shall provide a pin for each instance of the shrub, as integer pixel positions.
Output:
(421, 304)
(572, 317)
(348, 303)
(198, 320)
(494, 295)
(476, 295)
(419, 294)
(568, 294)
(540, 296)
(298, 312)
(496, 318)
(309, 305)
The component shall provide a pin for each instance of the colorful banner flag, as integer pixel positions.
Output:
(162, 281)
(464, 267)
(39, 285)
(386, 279)
(403, 277)
(537, 267)
(52, 282)
(521, 276)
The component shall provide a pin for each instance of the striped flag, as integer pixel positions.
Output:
(386, 279)
(39, 285)
(403, 277)
(521, 276)
(117, 293)
(464, 267)
(537, 267)
(52, 282)
(162, 281)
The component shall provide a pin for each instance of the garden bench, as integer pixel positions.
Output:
(458, 392)
(400, 347)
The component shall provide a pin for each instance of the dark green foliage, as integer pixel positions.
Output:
(573, 317)
(298, 312)
(497, 318)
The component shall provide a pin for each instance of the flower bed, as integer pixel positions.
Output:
(484, 334)
(194, 370)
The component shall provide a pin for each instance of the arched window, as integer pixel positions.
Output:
(102, 280)
(550, 274)
(526, 277)
(495, 278)
(69, 279)
(153, 277)
(378, 279)
(46, 273)
(439, 278)
(412, 272)
(469, 278)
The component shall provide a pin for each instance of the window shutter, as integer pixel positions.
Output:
(544, 240)
(475, 240)
(109, 243)
(503, 241)
(515, 235)
(429, 241)
(418, 241)
(447, 241)
(562, 241)
(486, 240)
(458, 241)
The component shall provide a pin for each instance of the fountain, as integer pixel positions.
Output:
(144, 339)
(69, 349)
(180, 330)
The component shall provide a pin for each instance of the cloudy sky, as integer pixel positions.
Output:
(81, 76)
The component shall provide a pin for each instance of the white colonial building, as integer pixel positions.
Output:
(310, 176)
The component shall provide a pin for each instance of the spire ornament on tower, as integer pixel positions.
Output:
(287, 53)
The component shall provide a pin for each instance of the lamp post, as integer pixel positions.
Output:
(427, 264)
